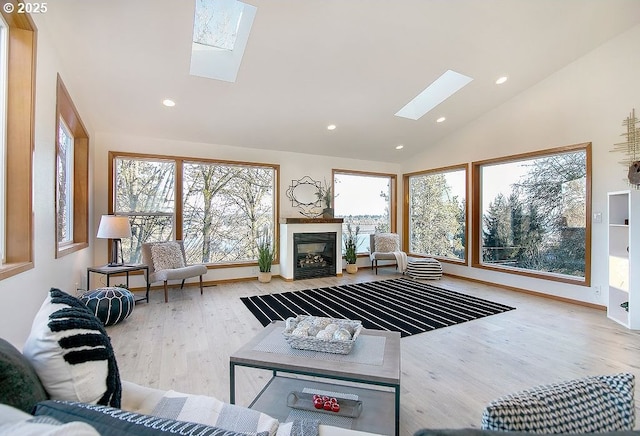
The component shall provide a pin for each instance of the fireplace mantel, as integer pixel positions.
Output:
(290, 226)
(311, 220)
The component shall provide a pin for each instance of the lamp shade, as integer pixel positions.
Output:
(114, 227)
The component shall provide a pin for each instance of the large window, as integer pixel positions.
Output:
(218, 208)
(367, 200)
(72, 176)
(532, 214)
(17, 164)
(436, 213)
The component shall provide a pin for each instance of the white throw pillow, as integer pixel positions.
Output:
(167, 255)
(386, 242)
(71, 352)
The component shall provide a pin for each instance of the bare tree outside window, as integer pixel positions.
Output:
(223, 206)
(64, 188)
(145, 192)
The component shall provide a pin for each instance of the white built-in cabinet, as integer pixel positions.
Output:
(624, 263)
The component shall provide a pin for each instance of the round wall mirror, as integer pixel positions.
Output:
(304, 193)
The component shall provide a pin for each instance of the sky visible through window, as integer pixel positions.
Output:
(498, 179)
(360, 195)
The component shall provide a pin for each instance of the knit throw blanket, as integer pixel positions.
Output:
(211, 411)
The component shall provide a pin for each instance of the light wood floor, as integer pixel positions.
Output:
(448, 375)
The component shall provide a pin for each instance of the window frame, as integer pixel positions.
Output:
(178, 194)
(20, 131)
(4, 48)
(407, 200)
(477, 213)
(67, 112)
(393, 194)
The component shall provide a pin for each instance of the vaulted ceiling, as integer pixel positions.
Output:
(311, 63)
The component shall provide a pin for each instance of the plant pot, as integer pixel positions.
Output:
(327, 212)
(352, 268)
(264, 277)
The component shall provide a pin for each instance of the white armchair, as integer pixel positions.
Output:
(167, 261)
(386, 246)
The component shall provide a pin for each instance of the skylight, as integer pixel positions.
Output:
(441, 89)
(216, 23)
(220, 33)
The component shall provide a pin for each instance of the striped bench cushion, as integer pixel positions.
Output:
(426, 269)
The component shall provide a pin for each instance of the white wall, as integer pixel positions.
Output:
(584, 102)
(293, 166)
(23, 294)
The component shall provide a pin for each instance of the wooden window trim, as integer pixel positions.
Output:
(405, 211)
(179, 161)
(66, 110)
(22, 37)
(477, 215)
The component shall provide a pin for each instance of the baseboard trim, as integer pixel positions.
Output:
(530, 292)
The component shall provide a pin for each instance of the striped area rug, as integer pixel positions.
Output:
(402, 305)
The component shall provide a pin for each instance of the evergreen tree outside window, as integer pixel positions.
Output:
(535, 214)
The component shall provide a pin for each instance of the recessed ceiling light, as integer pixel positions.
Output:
(399, 147)
(331, 127)
(501, 80)
(441, 119)
(168, 102)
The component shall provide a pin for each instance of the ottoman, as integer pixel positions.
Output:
(111, 305)
(424, 269)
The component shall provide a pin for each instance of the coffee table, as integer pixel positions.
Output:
(371, 370)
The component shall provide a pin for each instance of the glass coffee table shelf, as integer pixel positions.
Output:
(377, 415)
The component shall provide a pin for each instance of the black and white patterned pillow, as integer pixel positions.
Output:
(72, 353)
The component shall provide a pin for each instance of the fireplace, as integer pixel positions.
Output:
(314, 255)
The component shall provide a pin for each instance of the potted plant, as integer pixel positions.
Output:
(324, 194)
(266, 255)
(351, 248)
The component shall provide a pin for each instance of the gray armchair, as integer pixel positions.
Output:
(167, 261)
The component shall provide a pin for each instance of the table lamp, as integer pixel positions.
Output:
(114, 227)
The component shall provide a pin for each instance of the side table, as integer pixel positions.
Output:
(126, 269)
